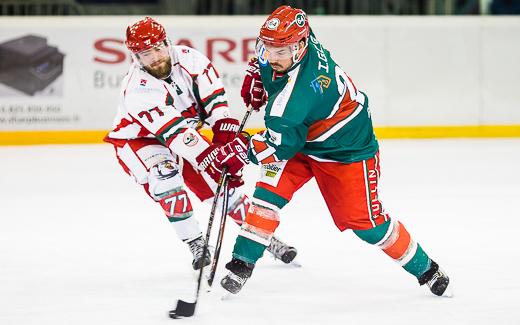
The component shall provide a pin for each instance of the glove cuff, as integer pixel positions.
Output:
(207, 157)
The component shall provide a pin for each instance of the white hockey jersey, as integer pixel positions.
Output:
(166, 109)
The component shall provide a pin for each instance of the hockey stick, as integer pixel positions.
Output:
(220, 236)
(224, 211)
(187, 309)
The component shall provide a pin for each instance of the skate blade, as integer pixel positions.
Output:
(204, 285)
(295, 263)
(227, 296)
(448, 293)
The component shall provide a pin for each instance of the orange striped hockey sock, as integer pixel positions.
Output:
(255, 233)
(393, 238)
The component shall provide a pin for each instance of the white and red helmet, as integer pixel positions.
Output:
(144, 35)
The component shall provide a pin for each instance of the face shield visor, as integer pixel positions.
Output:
(275, 53)
(154, 55)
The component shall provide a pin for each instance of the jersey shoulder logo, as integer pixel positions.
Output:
(190, 140)
(320, 84)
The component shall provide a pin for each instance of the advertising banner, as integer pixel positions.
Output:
(64, 73)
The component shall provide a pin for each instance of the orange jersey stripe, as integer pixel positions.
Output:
(269, 159)
(346, 107)
(259, 146)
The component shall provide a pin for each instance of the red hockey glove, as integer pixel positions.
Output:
(253, 92)
(208, 163)
(233, 155)
(224, 130)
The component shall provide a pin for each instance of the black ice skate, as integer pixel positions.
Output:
(437, 280)
(281, 250)
(197, 248)
(240, 271)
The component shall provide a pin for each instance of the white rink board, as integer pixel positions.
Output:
(417, 71)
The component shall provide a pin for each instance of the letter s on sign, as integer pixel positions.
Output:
(111, 48)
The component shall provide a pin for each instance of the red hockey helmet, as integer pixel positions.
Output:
(144, 35)
(285, 26)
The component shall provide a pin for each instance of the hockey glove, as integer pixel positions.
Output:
(253, 92)
(233, 155)
(207, 162)
(224, 130)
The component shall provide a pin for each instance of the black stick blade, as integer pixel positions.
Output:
(183, 309)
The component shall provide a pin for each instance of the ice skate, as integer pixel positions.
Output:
(282, 251)
(240, 271)
(437, 280)
(197, 247)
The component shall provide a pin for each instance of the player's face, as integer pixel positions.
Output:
(156, 61)
(280, 58)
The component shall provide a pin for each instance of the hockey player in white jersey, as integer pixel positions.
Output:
(169, 93)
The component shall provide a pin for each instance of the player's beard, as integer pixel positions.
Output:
(160, 69)
(278, 68)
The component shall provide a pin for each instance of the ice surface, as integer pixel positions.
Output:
(81, 244)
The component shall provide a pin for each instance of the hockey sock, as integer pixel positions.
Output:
(248, 250)
(393, 238)
(187, 229)
(177, 205)
(238, 206)
(255, 234)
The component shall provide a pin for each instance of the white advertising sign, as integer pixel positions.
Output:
(64, 73)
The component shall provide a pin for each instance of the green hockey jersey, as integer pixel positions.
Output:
(314, 109)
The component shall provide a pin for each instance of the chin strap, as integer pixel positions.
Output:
(295, 57)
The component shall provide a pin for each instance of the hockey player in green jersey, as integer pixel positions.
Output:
(318, 125)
